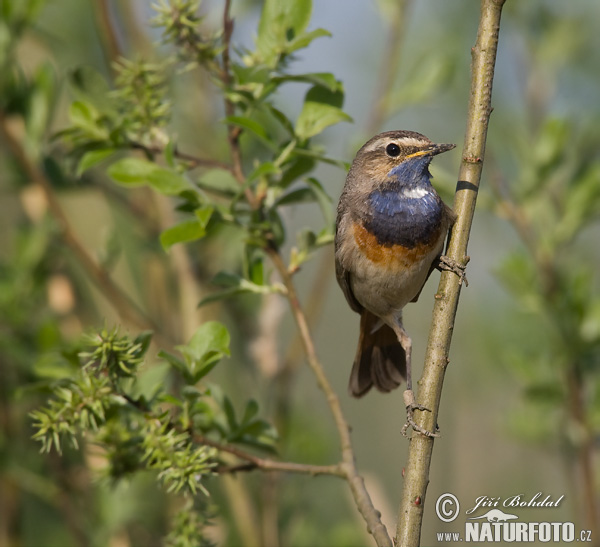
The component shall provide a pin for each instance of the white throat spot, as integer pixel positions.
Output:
(414, 193)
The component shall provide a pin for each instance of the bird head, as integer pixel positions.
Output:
(396, 152)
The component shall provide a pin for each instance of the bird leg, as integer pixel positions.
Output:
(409, 396)
(445, 263)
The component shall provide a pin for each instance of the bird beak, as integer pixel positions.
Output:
(432, 150)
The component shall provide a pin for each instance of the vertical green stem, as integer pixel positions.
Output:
(410, 515)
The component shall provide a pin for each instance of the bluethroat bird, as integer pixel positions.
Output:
(391, 227)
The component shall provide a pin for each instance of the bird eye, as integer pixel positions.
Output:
(392, 150)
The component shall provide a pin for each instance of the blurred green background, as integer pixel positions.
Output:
(509, 421)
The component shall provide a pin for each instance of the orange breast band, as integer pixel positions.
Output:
(390, 256)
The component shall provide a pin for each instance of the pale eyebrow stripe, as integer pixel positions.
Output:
(406, 141)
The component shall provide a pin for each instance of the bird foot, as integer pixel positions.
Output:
(445, 263)
(411, 406)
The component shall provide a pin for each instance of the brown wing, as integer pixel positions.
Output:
(343, 279)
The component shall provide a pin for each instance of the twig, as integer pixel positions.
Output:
(292, 360)
(125, 307)
(356, 482)
(410, 514)
(586, 449)
(193, 161)
(348, 465)
(108, 34)
(233, 132)
(266, 464)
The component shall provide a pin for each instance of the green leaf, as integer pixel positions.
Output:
(254, 127)
(40, 102)
(582, 204)
(137, 171)
(219, 180)
(264, 169)
(151, 383)
(235, 284)
(93, 158)
(281, 118)
(211, 338)
(143, 339)
(175, 362)
(131, 171)
(168, 182)
(184, 232)
(84, 116)
(170, 153)
(296, 168)
(256, 270)
(545, 393)
(277, 227)
(325, 236)
(590, 323)
(230, 415)
(279, 21)
(318, 156)
(227, 279)
(321, 109)
(305, 39)
(250, 412)
(204, 214)
(90, 86)
(221, 295)
(300, 195)
(208, 345)
(188, 230)
(52, 366)
(322, 79)
(314, 192)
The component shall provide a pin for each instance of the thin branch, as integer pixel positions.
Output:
(348, 465)
(446, 303)
(127, 309)
(265, 464)
(233, 132)
(193, 161)
(356, 482)
(107, 32)
(293, 358)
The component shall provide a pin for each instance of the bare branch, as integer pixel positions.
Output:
(107, 32)
(193, 161)
(356, 482)
(233, 132)
(410, 514)
(265, 464)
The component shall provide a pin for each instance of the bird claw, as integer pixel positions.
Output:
(445, 263)
(411, 406)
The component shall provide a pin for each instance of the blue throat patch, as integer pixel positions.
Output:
(398, 219)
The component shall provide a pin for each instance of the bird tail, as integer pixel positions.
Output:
(380, 359)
